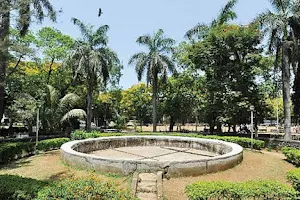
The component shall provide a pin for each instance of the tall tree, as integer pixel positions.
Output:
(54, 45)
(280, 27)
(92, 59)
(155, 62)
(25, 9)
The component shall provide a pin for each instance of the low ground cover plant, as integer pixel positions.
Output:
(258, 190)
(293, 177)
(292, 155)
(82, 189)
(244, 142)
(19, 188)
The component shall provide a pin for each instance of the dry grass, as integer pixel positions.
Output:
(255, 166)
(48, 166)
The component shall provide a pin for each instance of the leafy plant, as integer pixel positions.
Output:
(292, 155)
(19, 188)
(293, 177)
(259, 190)
(82, 189)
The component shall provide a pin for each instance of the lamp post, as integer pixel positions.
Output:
(252, 128)
(37, 127)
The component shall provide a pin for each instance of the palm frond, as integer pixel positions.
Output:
(24, 17)
(145, 40)
(200, 30)
(75, 113)
(85, 31)
(52, 96)
(227, 13)
(280, 5)
(100, 36)
(49, 8)
(68, 102)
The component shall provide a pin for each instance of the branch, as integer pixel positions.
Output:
(15, 67)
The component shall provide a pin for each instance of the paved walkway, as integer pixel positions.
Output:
(154, 153)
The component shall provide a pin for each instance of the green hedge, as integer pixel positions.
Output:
(258, 190)
(82, 189)
(244, 142)
(47, 145)
(19, 188)
(292, 155)
(293, 177)
(12, 151)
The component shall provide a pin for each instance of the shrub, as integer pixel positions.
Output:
(293, 177)
(81, 189)
(292, 155)
(47, 145)
(12, 151)
(16, 187)
(244, 142)
(247, 190)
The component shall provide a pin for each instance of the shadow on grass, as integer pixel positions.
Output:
(15, 164)
(17, 187)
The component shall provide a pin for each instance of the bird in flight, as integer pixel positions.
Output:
(100, 12)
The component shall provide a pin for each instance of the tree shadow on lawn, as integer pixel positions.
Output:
(15, 164)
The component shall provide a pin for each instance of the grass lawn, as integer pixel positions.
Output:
(255, 166)
(49, 167)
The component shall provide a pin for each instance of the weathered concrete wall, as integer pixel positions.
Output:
(75, 154)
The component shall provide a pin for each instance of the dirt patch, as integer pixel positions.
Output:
(255, 166)
(48, 166)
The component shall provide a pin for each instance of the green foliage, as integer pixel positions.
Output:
(292, 155)
(259, 190)
(136, 102)
(293, 177)
(229, 56)
(244, 142)
(19, 188)
(82, 189)
(47, 145)
(12, 151)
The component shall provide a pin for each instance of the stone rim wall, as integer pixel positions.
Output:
(74, 154)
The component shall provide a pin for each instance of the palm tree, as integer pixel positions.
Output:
(226, 14)
(92, 59)
(279, 25)
(24, 10)
(155, 62)
(57, 111)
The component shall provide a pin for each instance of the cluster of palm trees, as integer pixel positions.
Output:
(281, 25)
(92, 59)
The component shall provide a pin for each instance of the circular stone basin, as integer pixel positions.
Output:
(175, 156)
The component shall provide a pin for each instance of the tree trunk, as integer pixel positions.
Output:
(286, 90)
(154, 102)
(4, 43)
(89, 97)
(172, 123)
(50, 71)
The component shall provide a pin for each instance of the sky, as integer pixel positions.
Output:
(132, 18)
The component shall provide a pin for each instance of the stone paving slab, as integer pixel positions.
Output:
(176, 148)
(180, 156)
(146, 151)
(146, 196)
(201, 152)
(113, 154)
